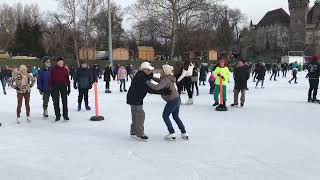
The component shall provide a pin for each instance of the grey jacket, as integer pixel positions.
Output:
(167, 81)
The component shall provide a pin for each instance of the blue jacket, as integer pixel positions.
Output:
(43, 80)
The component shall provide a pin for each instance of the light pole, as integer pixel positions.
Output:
(110, 33)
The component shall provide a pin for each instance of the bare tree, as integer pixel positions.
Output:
(70, 9)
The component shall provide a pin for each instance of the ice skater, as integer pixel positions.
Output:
(122, 76)
(167, 81)
(221, 73)
(241, 75)
(22, 82)
(136, 94)
(313, 75)
(108, 73)
(185, 80)
(83, 81)
(59, 82)
(261, 73)
(43, 84)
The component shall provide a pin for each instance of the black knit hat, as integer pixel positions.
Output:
(45, 58)
(59, 59)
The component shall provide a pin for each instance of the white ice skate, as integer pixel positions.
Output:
(45, 113)
(170, 137)
(184, 136)
(18, 121)
(28, 119)
(189, 102)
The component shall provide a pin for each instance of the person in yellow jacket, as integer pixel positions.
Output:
(221, 72)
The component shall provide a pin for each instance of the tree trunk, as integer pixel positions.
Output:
(173, 29)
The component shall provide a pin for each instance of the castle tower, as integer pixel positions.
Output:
(298, 20)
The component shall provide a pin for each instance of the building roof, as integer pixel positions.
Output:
(313, 16)
(278, 16)
(145, 48)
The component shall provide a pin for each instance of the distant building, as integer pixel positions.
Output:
(146, 53)
(278, 32)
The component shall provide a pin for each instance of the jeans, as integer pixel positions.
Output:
(3, 82)
(236, 95)
(262, 82)
(173, 107)
(107, 85)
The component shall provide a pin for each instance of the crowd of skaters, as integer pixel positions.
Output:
(186, 76)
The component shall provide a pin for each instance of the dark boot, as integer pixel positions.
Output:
(216, 103)
(234, 104)
(88, 108)
(79, 107)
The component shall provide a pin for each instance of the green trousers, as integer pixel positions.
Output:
(217, 93)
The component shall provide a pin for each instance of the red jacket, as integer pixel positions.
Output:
(59, 76)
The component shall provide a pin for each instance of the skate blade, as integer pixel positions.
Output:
(170, 139)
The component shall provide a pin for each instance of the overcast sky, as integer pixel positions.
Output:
(254, 9)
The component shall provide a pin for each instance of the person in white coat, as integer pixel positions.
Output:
(185, 81)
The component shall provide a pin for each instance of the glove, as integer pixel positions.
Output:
(222, 77)
(41, 92)
(75, 86)
(90, 86)
(219, 74)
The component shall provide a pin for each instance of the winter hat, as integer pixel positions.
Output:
(60, 59)
(315, 58)
(167, 69)
(45, 58)
(146, 65)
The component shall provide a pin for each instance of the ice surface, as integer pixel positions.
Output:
(275, 137)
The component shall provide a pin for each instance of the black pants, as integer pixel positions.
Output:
(294, 77)
(58, 91)
(83, 94)
(195, 84)
(185, 82)
(284, 73)
(314, 83)
(122, 83)
(274, 74)
(107, 85)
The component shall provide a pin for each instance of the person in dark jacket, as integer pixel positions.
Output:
(96, 73)
(137, 92)
(261, 73)
(108, 73)
(313, 75)
(3, 80)
(203, 74)
(274, 72)
(241, 76)
(43, 84)
(83, 81)
(59, 82)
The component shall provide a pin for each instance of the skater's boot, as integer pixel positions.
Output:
(66, 118)
(170, 137)
(224, 104)
(189, 102)
(234, 104)
(242, 104)
(197, 93)
(143, 137)
(79, 107)
(45, 113)
(4, 92)
(125, 90)
(184, 136)
(57, 119)
(289, 82)
(28, 119)
(88, 108)
(18, 120)
(309, 99)
(216, 103)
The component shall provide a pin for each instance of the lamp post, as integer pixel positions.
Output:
(110, 33)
